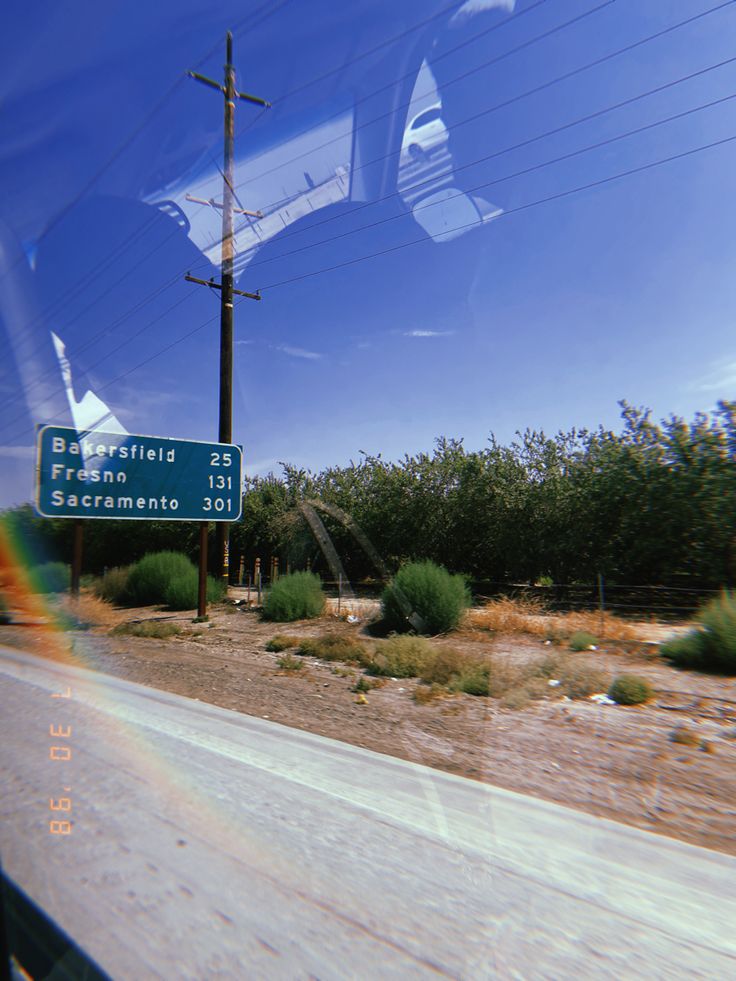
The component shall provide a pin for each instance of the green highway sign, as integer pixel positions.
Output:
(117, 475)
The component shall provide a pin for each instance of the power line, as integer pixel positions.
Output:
(518, 173)
(509, 211)
(517, 210)
(397, 37)
(518, 98)
(130, 139)
(498, 180)
(636, 44)
(404, 105)
(492, 108)
(421, 23)
(80, 285)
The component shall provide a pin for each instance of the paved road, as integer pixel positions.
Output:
(208, 844)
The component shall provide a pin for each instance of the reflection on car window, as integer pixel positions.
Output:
(426, 117)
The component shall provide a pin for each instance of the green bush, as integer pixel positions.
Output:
(182, 591)
(297, 596)
(51, 577)
(113, 586)
(582, 641)
(402, 657)
(281, 642)
(149, 579)
(688, 651)
(713, 646)
(474, 680)
(290, 663)
(364, 684)
(629, 689)
(331, 647)
(426, 598)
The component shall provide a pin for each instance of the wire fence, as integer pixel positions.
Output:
(655, 601)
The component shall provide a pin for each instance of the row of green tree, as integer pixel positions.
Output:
(652, 503)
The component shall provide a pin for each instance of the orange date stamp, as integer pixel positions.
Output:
(60, 751)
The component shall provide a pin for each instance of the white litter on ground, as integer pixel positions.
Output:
(602, 699)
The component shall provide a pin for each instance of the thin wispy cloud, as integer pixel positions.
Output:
(722, 378)
(298, 352)
(429, 333)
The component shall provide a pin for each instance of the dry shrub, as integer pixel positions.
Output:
(516, 698)
(89, 609)
(548, 666)
(147, 628)
(331, 647)
(684, 736)
(402, 656)
(441, 667)
(582, 677)
(424, 694)
(527, 614)
(509, 615)
(608, 626)
(289, 663)
(282, 642)
(506, 675)
(537, 688)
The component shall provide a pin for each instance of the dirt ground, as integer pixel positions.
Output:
(613, 761)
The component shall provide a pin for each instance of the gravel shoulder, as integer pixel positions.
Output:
(612, 761)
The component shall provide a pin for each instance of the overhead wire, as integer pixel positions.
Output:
(404, 105)
(74, 289)
(454, 5)
(519, 173)
(605, 58)
(133, 135)
(516, 210)
(598, 113)
(535, 90)
(498, 106)
(393, 249)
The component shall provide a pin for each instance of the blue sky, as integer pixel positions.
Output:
(544, 316)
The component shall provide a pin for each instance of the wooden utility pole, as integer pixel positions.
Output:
(226, 275)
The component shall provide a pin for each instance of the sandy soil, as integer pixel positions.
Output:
(613, 761)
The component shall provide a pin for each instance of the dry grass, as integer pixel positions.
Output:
(332, 647)
(147, 628)
(528, 615)
(424, 694)
(288, 663)
(684, 736)
(92, 610)
(282, 642)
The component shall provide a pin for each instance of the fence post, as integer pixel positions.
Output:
(339, 593)
(601, 602)
(247, 602)
(241, 571)
(275, 569)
